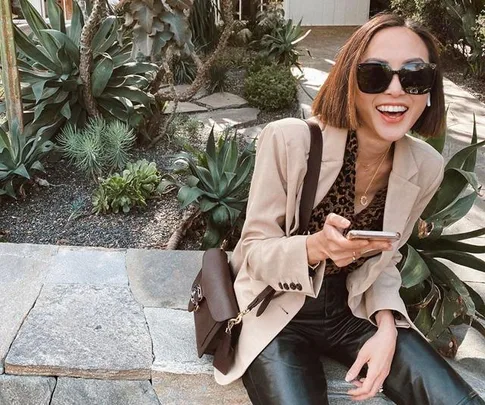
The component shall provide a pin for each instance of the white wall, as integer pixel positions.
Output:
(328, 12)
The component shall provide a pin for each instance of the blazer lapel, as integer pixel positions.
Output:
(401, 196)
(333, 151)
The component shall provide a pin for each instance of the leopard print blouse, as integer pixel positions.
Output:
(340, 200)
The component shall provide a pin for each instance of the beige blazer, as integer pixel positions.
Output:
(267, 254)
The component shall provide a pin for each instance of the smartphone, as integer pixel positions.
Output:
(373, 235)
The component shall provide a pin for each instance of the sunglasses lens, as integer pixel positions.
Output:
(373, 78)
(417, 78)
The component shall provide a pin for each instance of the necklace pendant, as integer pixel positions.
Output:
(363, 200)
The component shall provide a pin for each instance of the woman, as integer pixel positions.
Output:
(330, 297)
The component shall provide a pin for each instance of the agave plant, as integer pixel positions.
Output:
(49, 69)
(218, 184)
(280, 45)
(436, 298)
(20, 155)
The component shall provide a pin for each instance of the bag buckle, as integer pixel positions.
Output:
(235, 321)
(196, 296)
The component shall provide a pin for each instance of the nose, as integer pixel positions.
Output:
(395, 88)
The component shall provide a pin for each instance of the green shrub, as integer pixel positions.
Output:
(132, 188)
(465, 22)
(270, 88)
(184, 70)
(100, 146)
(217, 78)
(431, 13)
(269, 20)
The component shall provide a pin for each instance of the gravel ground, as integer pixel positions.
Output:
(61, 213)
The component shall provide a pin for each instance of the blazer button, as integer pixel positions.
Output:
(286, 287)
(293, 286)
(280, 285)
(299, 287)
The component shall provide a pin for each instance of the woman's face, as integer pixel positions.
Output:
(392, 113)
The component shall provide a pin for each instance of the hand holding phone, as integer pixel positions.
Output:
(373, 235)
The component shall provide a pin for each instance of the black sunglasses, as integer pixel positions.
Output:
(415, 77)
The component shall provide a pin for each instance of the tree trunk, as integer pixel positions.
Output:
(202, 70)
(178, 235)
(86, 58)
(10, 73)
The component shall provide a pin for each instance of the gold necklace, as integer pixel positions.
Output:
(363, 199)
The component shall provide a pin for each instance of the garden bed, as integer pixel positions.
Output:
(61, 212)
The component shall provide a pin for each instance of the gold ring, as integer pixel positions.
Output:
(353, 257)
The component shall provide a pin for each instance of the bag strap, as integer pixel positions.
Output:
(310, 182)
(308, 193)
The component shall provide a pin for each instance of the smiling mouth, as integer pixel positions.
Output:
(392, 111)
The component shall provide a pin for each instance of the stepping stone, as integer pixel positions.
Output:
(83, 331)
(21, 390)
(222, 119)
(250, 133)
(223, 100)
(23, 268)
(82, 265)
(181, 88)
(162, 278)
(70, 391)
(200, 389)
(184, 108)
(174, 346)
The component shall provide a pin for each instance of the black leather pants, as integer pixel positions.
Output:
(289, 371)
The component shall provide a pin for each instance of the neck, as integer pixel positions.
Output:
(371, 147)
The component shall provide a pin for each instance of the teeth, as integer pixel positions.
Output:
(392, 108)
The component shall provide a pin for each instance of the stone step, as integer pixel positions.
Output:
(133, 327)
(79, 330)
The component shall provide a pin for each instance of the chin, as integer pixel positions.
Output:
(391, 133)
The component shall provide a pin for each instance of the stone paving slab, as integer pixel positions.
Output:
(184, 108)
(200, 389)
(250, 133)
(181, 88)
(223, 100)
(21, 390)
(83, 331)
(174, 347)
(86, 265)
(80, 391)
(23, 268)
(222, 119)
(162, 278)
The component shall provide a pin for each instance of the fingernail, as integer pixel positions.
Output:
(348, 378)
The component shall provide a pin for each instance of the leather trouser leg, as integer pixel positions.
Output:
(419, 375)
(288, 371)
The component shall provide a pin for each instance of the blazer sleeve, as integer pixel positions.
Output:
(269, 254)
(384, 292)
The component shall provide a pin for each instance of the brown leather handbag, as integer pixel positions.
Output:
(212, 300)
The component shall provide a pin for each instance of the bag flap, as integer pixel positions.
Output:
(217, 285)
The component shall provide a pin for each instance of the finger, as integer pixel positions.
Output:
(337, 221)
(367, 386)
(380, 245)
(354, 370)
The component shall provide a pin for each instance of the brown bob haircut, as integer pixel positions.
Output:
(335, 102)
